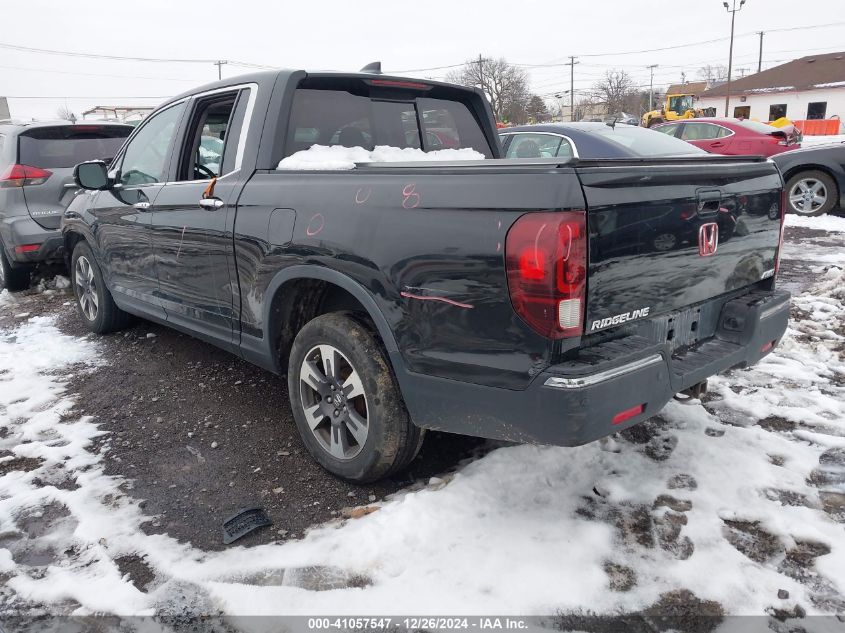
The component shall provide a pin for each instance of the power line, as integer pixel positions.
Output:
(124, 58)
(74, 72)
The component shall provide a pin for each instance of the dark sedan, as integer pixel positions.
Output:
(590, 140)
(814, 177)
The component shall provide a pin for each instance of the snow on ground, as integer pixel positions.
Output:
(339, 157)
(828, 222)
(733, 500)
(810, 141)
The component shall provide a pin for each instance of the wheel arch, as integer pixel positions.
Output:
(300, 293)
(789, 173)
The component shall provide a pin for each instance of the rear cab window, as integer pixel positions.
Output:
(64, 146)
(352, 113)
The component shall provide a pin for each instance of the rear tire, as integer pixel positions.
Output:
(12, 279)
(346, 402)
(811, 193)
(93, 300)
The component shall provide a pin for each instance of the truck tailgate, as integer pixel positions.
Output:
(665, 235)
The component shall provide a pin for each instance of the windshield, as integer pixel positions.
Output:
(65, 146)
(646, 143)
(680, 104)
(762, 128)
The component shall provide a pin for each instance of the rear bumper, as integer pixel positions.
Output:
(24, 231)
(575, 403)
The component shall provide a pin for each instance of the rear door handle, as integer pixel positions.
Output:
(142, 206)
(210, 204)
(717, 144)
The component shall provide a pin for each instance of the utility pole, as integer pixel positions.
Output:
(741, 72)
(760, 58)
(219, 63)
(571, 65)
(732, 9)
(683, 78)
(651, 86)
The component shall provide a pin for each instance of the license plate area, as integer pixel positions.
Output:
(683, 329)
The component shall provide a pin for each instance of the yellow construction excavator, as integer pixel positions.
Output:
(677, 106)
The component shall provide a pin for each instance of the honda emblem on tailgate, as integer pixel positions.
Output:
(708, 239)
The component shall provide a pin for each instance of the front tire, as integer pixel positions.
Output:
(346, 402)
(93, 300)
(13, 279)
(810, 193)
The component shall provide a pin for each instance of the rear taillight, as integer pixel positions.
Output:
(24, 176)
(546, 262)
(780, 238)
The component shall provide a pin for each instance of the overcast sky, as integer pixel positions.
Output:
(346, 35)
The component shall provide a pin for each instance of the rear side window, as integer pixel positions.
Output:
(703, 132)
(65, 146)
(338, 117)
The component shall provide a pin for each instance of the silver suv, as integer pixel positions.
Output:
(36, 185)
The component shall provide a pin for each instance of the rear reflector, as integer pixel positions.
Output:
(27, 248)
(767, 347)
(23, 176)
(546, 262)
(627, 414)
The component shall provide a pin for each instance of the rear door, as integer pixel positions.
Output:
(192, 219)
(667, 234)
(709, 137)
(58, 149)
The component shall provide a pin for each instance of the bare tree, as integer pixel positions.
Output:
(504, 84)
(712, 73)
(614, 90)
(65, 113)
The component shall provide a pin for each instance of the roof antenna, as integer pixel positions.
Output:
(373, 68)
(612, 124)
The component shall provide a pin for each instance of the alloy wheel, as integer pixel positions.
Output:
(808, 195)
(86, 288)
(334, 401)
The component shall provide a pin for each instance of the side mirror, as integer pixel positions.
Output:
(91, 175)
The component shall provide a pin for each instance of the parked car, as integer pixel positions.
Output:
(466, 296)
(734, 137)
(36, 184)
(590, 140)
(815, 178)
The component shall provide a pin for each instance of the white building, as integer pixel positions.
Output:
(812, 87)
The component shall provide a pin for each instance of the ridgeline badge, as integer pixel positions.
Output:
(599, 324)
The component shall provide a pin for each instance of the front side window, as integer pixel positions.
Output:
(146, 158)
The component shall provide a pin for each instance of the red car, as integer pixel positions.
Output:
(734, 136)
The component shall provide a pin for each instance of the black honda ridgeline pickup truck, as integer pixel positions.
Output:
(521, 300)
